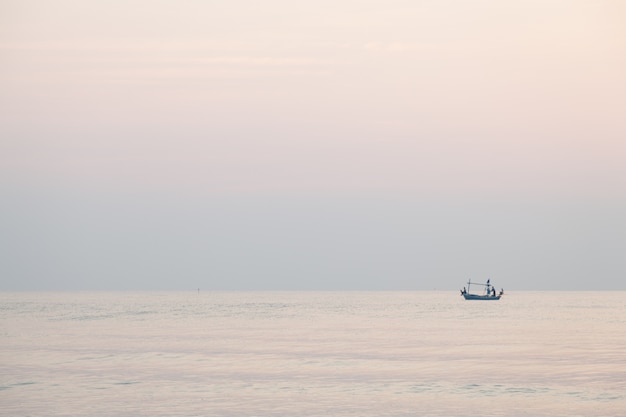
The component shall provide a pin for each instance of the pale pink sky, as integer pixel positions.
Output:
(520, 100)
(339, 95)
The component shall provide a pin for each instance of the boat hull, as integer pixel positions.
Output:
(481, 297)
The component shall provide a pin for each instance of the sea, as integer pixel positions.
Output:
(205, 353)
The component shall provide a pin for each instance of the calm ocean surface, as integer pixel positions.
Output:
(312, 354)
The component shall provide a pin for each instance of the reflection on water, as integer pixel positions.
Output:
(312, 353)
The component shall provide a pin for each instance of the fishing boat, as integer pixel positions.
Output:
(489, 294)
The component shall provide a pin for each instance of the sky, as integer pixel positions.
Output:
(292, 145)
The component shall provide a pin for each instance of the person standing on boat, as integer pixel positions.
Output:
(493, 291)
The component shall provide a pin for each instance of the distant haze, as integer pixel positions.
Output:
(312, 145)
